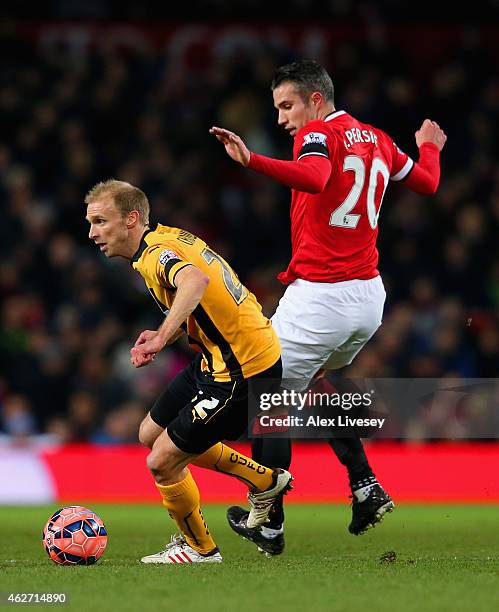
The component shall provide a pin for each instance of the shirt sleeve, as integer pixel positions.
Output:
(424, 176)
(309, 174)
(168, 264)
(401, 164)
(312, 142)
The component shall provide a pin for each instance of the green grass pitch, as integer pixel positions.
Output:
(447, 559)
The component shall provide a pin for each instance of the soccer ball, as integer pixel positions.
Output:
(74, 536)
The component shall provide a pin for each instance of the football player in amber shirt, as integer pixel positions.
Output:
(199, 294)
(334, 299)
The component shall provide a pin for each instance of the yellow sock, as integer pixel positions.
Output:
(222, 458)
(182, 502)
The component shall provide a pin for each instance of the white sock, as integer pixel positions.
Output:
(269, 533)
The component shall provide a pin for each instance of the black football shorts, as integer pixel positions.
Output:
(198, 412)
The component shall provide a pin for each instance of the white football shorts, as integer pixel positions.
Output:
(325, 325)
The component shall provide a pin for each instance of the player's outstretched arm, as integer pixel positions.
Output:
(425, 174)
(309, 174)
(233, 144)
(191, 285)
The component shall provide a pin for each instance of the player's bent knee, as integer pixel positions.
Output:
(149, 431)
(158, 464)
(144, 437)
(166, 461)
(162, 460)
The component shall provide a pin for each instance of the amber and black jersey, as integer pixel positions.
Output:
(236, 339)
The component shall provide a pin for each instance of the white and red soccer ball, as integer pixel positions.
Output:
(75, 536)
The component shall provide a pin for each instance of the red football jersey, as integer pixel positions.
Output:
(333, 233)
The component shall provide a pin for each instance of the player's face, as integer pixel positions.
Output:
(108, 229)
(294, 111)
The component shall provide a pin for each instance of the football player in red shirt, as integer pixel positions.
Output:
(333, 303)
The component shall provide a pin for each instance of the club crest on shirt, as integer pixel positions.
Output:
(314, 138)
(165, 256)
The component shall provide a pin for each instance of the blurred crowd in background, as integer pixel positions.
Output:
(78, 106)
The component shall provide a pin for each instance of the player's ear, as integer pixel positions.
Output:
(316, 98)
(133, 218)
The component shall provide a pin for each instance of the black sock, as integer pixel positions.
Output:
(272, 453)
(275, 453)
(351, 454)
(365, 482)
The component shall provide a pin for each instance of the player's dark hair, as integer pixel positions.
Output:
(308, 76)
(126, 197)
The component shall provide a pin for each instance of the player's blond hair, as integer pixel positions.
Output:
(125, 196)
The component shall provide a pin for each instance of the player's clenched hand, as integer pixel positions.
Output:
(139, 359)
(145, 336)
(430, 131)
(147, 345)
(233, 144)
